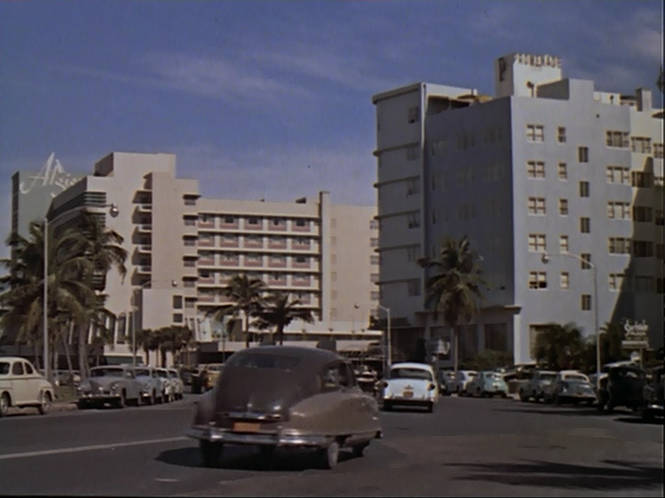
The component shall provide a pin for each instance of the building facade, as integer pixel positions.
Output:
(183, 249)
(547, 166)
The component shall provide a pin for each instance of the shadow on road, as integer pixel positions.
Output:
(615, 475)
(248, 458)
(563, 411)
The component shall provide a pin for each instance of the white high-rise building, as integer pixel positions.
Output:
(548, 165)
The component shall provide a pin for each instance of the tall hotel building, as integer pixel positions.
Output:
(183, 249)
(547, 165)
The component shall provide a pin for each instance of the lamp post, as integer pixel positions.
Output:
(47, 371)
(545, 259)
(388, 356)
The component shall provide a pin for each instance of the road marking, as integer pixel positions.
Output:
(166, 479)
(94, 447)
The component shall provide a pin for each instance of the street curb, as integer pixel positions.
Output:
(64, 406)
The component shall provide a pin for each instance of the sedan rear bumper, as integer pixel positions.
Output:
(98, 396)
(219, 435)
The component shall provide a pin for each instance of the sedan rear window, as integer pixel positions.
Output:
(410, 373)
(4, 368)
(262, 360)
(106, 372)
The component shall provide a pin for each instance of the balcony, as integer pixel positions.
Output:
(144, 208)
(145, 248)
(145, 228)
(144, 269)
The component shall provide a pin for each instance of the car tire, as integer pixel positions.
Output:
(5, 403)
(139, 400)
(45, 402)
(387, 406)
(121, 401)
(647, 416)
(359, 449)
(330, 455)
(557, 400)
(152, 399)
(430, 407)
(82, 404)
(523, 396)
(210, 453)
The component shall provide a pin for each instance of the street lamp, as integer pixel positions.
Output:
(545, 258)
(388, 356)
(113, 212)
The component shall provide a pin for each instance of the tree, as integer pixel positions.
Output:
(246, 296)
(455, 288)
(280, 312)
(145, 338)
(173, 338)
(490, 359)
(560, 347)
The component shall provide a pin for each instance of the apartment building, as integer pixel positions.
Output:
(548, 166)
(183, 249)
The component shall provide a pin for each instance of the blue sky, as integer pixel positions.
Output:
(273, 98)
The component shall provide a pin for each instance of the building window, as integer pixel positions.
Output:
(252, 221)
(585, 224)
(412, 253)
(641, 145)
(617, 210)
(536, 205)
(229, 220)
(659, 217)
(585, 264)
(642, 214)
(658, 150)
(535, 133)
(412, 187)
(641, 179)
(190, 201)
(537, 280)
(642, 249)
(374, 295)
(563, 243)
(190, 221)
(414, 113)
(374, 278)
(660, 251)
(177, 302)
(535, 169)
(300, 222)
(618, 174)
(413, 220)
(586, 302)
(190, 241)
(561, 134)
(537, 242)
(563, 207)
(374, 242)
(373, 224)
(374, 259)
(616, 139)
(584, 189)
(583, 154)
(616, 281)
(563, 171)
(619, 245)
(564, 280)
(177, 317)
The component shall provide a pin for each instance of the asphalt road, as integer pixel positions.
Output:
(467, 447)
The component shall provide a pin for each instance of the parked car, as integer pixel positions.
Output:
(66, 378)
(187, 373)
(177, 383)
(115, 384)
(367, 379)
(487, 383)
(623, 386)
(463, 379)
(153, 388)
(652, 394)
(206, 378)
(167, 386)
(410, 383)
(447, 381)
(536, 386)
(21, 385)
(571, 386)
(274, 396)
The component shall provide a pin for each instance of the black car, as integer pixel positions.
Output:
(652, 394)
(623, 386)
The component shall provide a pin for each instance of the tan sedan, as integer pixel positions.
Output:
(21, 385)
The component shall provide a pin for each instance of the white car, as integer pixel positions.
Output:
(464, 378)
(177, 385)
(410, 384)
(22, 385)
(167, 386)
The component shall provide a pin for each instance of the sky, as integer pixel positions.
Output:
(273, 99)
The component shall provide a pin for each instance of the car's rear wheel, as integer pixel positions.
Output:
(210, 453)
(82, 404)
(121, 401)
(44, 403)
(359, 449)
(430, 407)
(387, 406)
(4, 404)
(330, 455)
(523, 396)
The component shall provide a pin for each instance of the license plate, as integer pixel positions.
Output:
(246, 426)
(408, 394)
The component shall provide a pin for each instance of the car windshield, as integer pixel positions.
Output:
(410, 373)
(143, 372)
(263, 360)
(548, 376)
(576, 378)
(162, 374)
(4, 368)
(106, 372)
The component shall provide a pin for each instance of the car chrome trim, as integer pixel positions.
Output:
(215, 434)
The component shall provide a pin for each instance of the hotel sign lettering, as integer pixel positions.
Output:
(636, 335)
(52, 174)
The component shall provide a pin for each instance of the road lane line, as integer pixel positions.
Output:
(29, 454)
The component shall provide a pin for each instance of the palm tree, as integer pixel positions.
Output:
(455, 289)
(145, 339)
(280, 312)
(173, 338)
(246, 297)
(560, 346)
